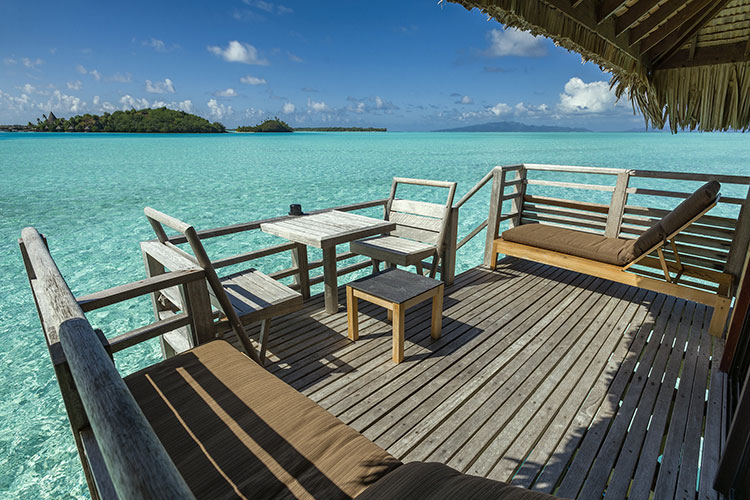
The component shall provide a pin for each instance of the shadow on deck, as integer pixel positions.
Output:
(545, 378)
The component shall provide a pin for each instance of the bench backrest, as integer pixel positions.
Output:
(419, 220)
(200, 257)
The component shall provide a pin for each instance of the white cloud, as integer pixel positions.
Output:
(239, 52)
(95, 101)
(167, 86)
(120, 78)
(581, 97)
(513, 42)
(217, 110)
(28, 89)
(500, 109)
(129, 102)
(226, 93)
(9, 61)
(31, 63)
(269, 7)
(82, 70)
(156, 44)
(295, 58)
(317, 106)
(252, 80)
(76, 85)
(465, 100)
(288, 108)
(62, 103)
(186, 106)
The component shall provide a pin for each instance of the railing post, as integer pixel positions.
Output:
(198, 306)
(740, 242)
(155, 268)
(516, 204)
(299, 260)
(617, 205)
(493, 221)
(448, 266)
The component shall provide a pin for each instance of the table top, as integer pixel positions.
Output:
(327, 229)
(395, 285)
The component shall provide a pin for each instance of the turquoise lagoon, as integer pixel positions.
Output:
(87, 193)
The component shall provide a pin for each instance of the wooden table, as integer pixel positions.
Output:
(326, 230)
(396, 290)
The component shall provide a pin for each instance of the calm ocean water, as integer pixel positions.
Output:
(87, 193)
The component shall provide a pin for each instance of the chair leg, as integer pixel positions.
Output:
(433, 269)
(418, 265)
(375, 266)
(265, 327)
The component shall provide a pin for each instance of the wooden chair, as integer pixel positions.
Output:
(420, 230)
(672, 272)
(244, 297)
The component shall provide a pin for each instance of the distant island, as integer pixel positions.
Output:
(512, 127)
(274, 125)
(278, 125)
(340, 129)
(158, 120)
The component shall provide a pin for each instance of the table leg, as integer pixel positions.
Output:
(352, 313)
(437, 313)
(398, 333)
(329, 279)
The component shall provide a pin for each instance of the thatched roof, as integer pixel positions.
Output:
(682, 62)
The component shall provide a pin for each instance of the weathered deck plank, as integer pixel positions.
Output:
(546, 378)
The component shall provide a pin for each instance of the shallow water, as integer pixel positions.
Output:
(86, 193)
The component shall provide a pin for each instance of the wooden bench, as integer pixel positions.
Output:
(420, 230)
(396, 290)
(624, 260)
(244, 297)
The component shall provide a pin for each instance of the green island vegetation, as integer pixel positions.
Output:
(340, 129)
(159, 120)
(274, 125)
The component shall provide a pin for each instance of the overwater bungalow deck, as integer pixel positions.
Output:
(545, 378)
(577, 380)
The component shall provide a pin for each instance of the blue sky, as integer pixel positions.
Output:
(415, 65)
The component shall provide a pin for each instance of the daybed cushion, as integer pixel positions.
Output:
(681, 215)
(434, 481)
(234, 430)
(615, 251)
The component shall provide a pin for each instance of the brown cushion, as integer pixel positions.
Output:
(433, 481)
(615, 251)
(681, 215)
(234, 429)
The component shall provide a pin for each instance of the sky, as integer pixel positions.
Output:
(406, 65)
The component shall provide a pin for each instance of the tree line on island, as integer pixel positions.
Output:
(160, 120)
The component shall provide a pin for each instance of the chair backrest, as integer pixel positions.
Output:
(419, 220)
(156, 219)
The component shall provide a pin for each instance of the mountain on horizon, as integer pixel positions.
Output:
(512, 127)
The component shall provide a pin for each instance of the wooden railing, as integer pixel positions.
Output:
(121, 455)
(716, 245)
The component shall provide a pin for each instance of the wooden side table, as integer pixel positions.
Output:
(396, 290)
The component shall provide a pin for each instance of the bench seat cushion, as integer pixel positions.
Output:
(617, 251)
(234, 430)
(434, 481)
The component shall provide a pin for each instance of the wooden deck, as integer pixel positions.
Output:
(546, 378)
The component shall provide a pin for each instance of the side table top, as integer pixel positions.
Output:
(395, 285)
